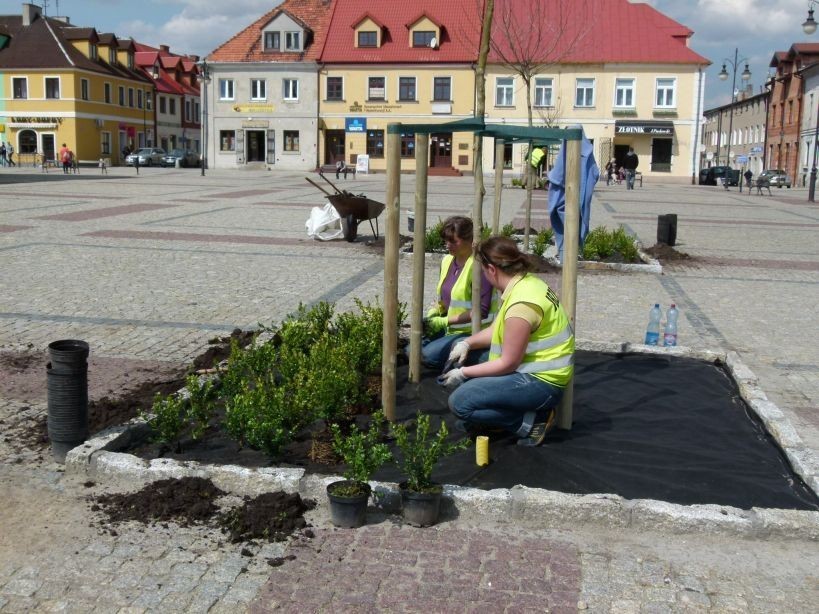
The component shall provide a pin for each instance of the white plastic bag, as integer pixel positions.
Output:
(324, 223)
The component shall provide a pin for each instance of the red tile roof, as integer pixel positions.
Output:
(246, 46)
(459, 37)
(596, 31)
(146, 57)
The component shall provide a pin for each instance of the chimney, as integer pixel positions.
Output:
(165, 48)
(30, 13)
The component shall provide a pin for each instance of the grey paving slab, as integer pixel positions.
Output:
(244, 258)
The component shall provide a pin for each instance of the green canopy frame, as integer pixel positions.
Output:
(501, 133)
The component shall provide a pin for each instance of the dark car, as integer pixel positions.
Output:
(715, 174)
(186, 158)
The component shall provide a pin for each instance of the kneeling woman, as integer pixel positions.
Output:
(531, 356)
(451, 317)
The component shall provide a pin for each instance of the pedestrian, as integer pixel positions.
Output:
(537, 160)
(75, 163)
(450, 319)
(630, 164)
(611, 171)
(65, 158)
(103, 167)
(2, 154)
(531, 354)
(748, 176)
(10, 154)
(341, 167)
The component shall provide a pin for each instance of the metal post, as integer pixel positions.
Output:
(812, 188)
(204, 162)
(731, 115)
(499, 149)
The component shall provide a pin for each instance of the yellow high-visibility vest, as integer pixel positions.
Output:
(550, 352)
(460, 299)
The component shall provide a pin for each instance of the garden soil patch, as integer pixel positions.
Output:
(666, 253)
(191, 500)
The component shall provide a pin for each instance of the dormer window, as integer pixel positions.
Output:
(367, 38)
(272, 41)
(292, 41)
(422, 38)
(112, 56)
(131, 61)
(92, 51)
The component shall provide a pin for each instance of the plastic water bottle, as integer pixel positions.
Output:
(653, 330)
(670, 337)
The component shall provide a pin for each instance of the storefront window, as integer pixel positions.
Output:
(291, 140)
(227, 140)
(28, 142)
(407, 145)
(375, 143)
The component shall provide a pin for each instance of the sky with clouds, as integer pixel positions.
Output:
(757, 28)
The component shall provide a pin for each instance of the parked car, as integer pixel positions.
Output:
(186, 158)
(147, 156)
(776, 177)
(714, 175)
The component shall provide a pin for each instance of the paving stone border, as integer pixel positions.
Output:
(99, 459)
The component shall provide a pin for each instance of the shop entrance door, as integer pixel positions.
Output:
(256, 146)
(441, 150)
(49, 147)
(334, 146)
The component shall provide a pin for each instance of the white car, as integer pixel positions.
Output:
(147, 156)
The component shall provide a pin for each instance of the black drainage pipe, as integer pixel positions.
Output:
(667, 229)
(67, 375)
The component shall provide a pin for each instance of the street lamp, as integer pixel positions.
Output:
(205, 77)
(723, 75)
(809, 27)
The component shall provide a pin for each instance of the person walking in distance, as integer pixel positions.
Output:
(630, 163)
(10, 154)
(748, 176)
(65, 158)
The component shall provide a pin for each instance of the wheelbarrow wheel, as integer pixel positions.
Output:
(350, 227)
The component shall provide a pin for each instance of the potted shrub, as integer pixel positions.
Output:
(420, 452)
(363, 454)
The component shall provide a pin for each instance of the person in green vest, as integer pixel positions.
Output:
(450, 319)
(537, 159)
(531, 353)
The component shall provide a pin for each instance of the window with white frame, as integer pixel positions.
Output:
(406, 89)
(84, 89)
(335, 88)
(665, 98)
(258, 89)
(121, 96)
(19, 86)
(292, 41)
(227, 140)
(504, 92)
(544, 91)
(367, 38)
(148, 101)
(272, 41)
(584, 93)
(139, 99)
(105, 143)
(442, 89)
(112, 56)
(92, 51)
(52, 87)
(290, 89)
(162, 106)
(131, 97)
(226, 89)
(624, 93)
(188, 110)
(171, 106)
(376, 88)
(106, 88)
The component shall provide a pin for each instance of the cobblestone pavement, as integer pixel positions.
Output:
(151, 266)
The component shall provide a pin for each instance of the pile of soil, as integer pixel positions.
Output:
(272, 516)
(219, 348)
(666, 253)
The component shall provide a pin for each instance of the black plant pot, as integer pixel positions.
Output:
(347, 512)
(420, 509)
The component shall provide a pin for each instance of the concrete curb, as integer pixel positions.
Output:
(98, 459)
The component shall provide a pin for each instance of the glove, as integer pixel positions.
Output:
(436, 324)
(433, 311)
(457, 356)
(453, 378)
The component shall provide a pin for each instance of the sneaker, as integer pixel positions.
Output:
(540, 430)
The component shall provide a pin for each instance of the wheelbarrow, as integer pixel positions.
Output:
(353, 209)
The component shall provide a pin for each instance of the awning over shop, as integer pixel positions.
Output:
(636, 126)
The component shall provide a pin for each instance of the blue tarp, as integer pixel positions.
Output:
(589, 174)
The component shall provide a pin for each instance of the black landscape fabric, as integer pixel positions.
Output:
(645, 427)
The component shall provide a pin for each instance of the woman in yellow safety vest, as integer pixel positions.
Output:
(450, 319)
(531, 355)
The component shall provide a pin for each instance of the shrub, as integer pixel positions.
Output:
(362, 452)
(602, 244)
(508, 230)
(329, 385)
(201, 407)
(167, 421)
(306, 326)
(542, 240)
(420, 453)
(433, 241)
(261, 416)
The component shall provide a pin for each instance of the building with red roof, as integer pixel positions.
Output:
(177, 109)
(261, 98)
(622, 70)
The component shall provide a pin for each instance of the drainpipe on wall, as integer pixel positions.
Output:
(697, 138)
(319, 68)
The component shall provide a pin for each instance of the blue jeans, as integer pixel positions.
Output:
(503, 400)
(435, 351)
(630, 179)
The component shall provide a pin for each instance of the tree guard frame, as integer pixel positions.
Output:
(500, 132)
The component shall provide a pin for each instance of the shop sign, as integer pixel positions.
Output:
(35, 120)
(355, 124)
(256, 123)
(756, 149)
(648, 127)
(254, 108)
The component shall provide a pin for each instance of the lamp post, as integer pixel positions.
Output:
(203, 69)
(723, 75)
(809, 27)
